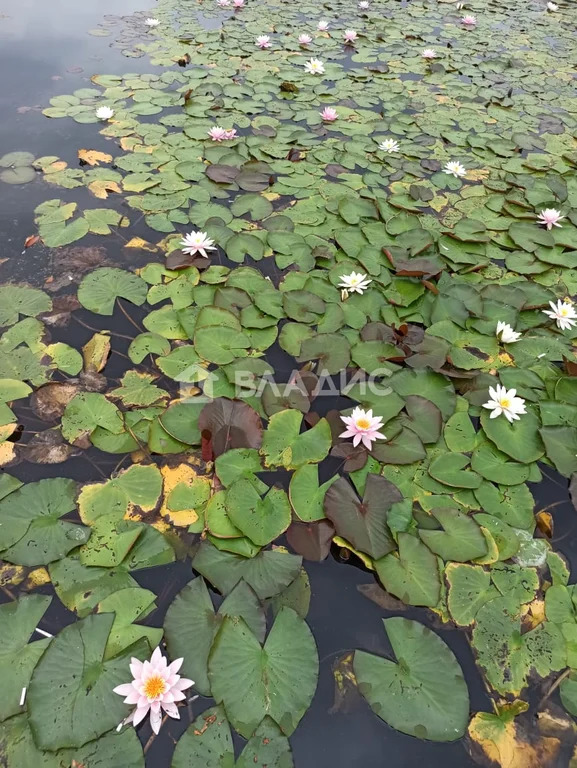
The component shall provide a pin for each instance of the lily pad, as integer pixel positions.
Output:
(423, 693)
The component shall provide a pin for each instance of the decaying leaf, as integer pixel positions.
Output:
(138, 242)
(95, 352)
(508, 745)
(50, 401)
(101, 188)
(93, 157)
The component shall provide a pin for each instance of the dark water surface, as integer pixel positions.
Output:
(45, 51)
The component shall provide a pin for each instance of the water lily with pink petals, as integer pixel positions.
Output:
(323, 25)
(469, 21)
(305, 39)
(329, 114)
(197, 242)
(238, 3)
(363, 427)
(550, 217)
(263, 41)
(230, 134)
(350, 36)
(429, 53)
(156, 687)
(217, 133)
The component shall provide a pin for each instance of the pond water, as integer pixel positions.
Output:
(467, 522)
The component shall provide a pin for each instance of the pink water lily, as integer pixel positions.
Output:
(469, 21)
(329, 114)
(305, 39)
(238, 3)
(230, 134)
(350, 36)
(363, 427)
(156, 687)
(550, 217)
(263, 41)
(197, 242)
(217, 133)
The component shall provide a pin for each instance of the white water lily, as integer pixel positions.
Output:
(152, 22)
(356, 282)
(315, 67)
(506, 333)
(364, 5)
(429, 53)
(563, 312)
(104, 113)
(323, 25)
(454, 168)
(504, 401)
(389, 145)
(552, 7)
(197, 242)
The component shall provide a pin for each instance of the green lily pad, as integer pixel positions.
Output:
(31, 532)
(68, 681)
(99, 290)
(412, 575)
(424, 693)
(460, 541)
(268, 573)
(18, 657)
(281, 675)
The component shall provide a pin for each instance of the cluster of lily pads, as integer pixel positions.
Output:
(315, 210)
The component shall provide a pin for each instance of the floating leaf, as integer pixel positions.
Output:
(231, 424)
(31, 532)
(18, 657)
(99, 290)
(460, 540)
(424, 693)
(191, 622)
(363, 523)
(70, 679)
(16, 300)
(268, 573)
(282, 675)
(413, 574)
(284, 445)
(262, 520)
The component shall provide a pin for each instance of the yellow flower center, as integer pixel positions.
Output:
(564, 311)
(504, 402)
(363, 423)
(154, 686)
